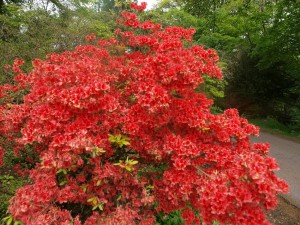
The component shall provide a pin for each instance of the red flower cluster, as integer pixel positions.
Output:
(138, 7)
(121, 135)
(90, 37)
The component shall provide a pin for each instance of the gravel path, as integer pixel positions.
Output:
(287, 154)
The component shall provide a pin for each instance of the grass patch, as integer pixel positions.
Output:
(273, 126)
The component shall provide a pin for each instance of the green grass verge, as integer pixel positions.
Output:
(273, 126)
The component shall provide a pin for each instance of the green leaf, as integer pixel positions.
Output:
(62, 183)
(132, 162)
(129, 168)
(100, 206)
(9, 221)
(111, 138)
(119, 197)
(93, 200)
(119, 139)
(149, 187)
(117, 164)
(5, 218)
(125, 142)
(84, 188)
(64, 171)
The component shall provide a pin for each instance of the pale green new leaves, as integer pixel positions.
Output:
(128, 164)
(120, 140)
(96, 203)
(9, 221)
(97, 151)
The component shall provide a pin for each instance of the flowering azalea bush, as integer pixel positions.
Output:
(120, 135)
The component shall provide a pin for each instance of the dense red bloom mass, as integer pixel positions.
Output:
(121, 134)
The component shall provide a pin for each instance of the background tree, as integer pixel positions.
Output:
(259, 41)
(278, 52)
(5, 3)
(22, 36)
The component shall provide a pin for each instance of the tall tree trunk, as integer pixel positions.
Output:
(58, 5)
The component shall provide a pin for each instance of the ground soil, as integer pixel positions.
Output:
(285, 214)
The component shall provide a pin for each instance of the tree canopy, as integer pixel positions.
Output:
(259, 41)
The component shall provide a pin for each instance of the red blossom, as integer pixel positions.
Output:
(138, 7)
(189, 216)
(90, 37)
